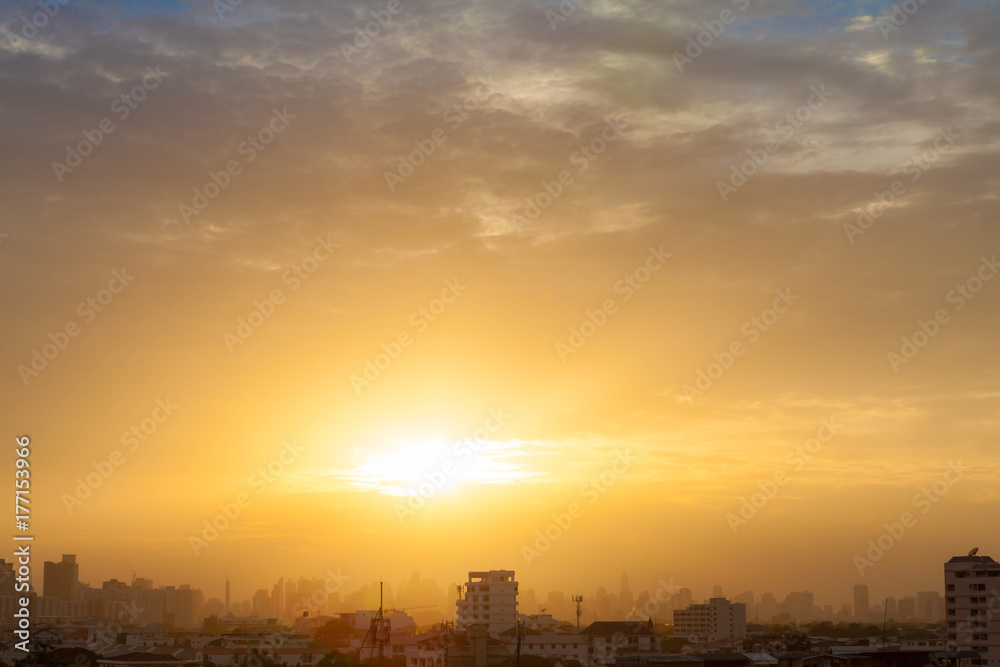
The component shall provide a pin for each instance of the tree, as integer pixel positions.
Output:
(334, 632)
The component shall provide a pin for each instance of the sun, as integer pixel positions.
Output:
(404, 467)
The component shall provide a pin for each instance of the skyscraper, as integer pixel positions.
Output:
(861, 605)
(61, 580)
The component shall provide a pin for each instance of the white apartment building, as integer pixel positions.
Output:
(719, 619)
(972, 606)
(555, 646)
(490, 598)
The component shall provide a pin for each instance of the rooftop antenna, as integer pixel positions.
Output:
(578, 599)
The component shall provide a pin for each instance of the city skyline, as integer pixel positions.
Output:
(664, 595)
(701, 291)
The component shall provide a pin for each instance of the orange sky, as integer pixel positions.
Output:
(492, 227)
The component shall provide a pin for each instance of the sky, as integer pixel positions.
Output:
(698, 290)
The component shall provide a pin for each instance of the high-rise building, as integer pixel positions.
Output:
(278, 598)
(929, 606)
(972, 596)
(261, 603)
(747, 600)
(227, 595)
(800, 606)
(6, 578)
(861, 605)
(908, 608)
(489, 598)
(715, 621)
(61, 580)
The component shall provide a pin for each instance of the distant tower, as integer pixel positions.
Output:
(626, 595)
(227, 594)
(861, 605)
(578, 599)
